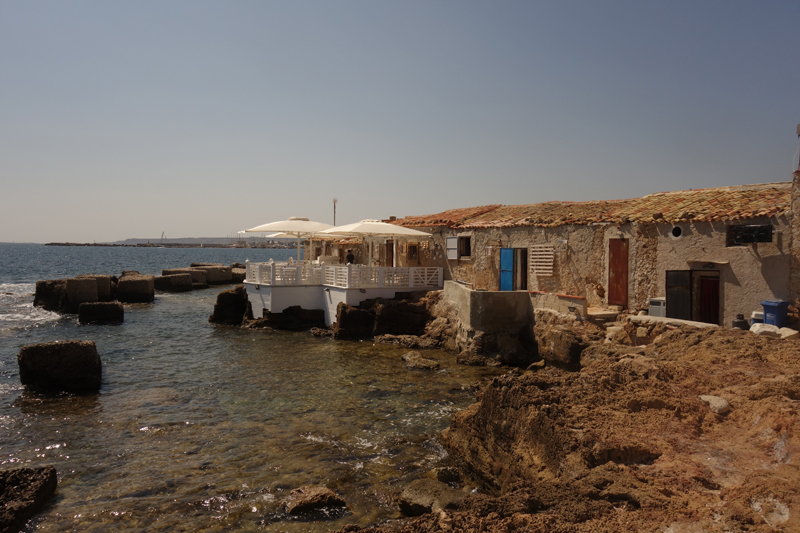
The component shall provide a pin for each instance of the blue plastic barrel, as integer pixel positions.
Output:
(775, 312)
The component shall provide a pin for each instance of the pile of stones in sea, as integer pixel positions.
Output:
(98, 298)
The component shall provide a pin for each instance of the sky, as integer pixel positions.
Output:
(200, 118)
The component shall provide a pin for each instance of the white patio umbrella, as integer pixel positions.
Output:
(299, 227)
(374, 228)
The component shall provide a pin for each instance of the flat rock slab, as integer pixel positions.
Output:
(23, 492)
(311, 498)
(415, 360)
(101, 313)
(174, 282)
(766, 330)
(60, 366)
(426, 495)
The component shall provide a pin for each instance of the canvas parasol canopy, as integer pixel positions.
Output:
(299, 227)
(374, 228)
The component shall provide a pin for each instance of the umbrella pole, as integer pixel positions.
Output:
(298, 248)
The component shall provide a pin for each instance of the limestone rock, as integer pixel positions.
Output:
(766, 330)
(231, 308)
(789, 334)
(102, 283)
(101, 313)
(216, 274)
(415, 360)
(60, 365)
(446, 474)
(352, 323)
(560, 345)
(136, 288)
(426, 495)
(23, 492)
(716, 404)
(51, 294)
(80, 290)
(174, 282)
(199, 276)
(238, 275)
(293, 318)
(312, 498)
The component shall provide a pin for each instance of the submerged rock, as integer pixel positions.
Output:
(426, 495)
(415, 360)
(310, 498)
(60, 366)
(23, 492)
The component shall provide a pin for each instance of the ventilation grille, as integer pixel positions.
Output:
(541, 259)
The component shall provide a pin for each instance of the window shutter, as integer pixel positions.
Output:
(452, 247)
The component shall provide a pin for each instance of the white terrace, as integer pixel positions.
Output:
(275, 286)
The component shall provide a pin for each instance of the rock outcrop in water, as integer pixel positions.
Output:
(232, 307)
(314, 499)
(60, 366)
(23, 492)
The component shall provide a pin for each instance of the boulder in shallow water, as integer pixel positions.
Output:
(415, 360)
(217, 274)
(136, 288)
(173, 282)
(101, 313)
(23, 492)
(232, 307)
(103, 285)
(60, 366)
(80, 290)
(310, 498)
(51, 294)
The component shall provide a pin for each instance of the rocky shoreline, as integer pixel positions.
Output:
(643, 426)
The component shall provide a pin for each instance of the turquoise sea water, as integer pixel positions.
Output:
(199, 427)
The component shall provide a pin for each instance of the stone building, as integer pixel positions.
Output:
(710, 253)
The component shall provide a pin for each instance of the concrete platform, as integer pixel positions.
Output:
(647, 319)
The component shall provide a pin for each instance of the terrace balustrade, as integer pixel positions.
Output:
(343, 276)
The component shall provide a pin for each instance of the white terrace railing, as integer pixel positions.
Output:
(344, 276)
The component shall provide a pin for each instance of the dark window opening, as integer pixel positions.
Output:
(464, 247)
(743, 235)
(413, 252)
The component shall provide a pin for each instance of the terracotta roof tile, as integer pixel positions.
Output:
(723, 203)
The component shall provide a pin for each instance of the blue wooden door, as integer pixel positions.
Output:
(506, 269)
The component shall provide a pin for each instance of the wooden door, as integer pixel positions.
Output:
(679, 294)
(506, 269)
(709, 300)
(618, 272)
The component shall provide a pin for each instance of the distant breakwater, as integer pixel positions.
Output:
(169, 245)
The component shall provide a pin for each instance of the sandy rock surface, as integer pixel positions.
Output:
(627, 443)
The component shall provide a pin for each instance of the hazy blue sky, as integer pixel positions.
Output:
(196, 118)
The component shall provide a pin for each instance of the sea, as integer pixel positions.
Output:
(202, 427)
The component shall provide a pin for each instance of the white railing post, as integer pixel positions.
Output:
(272, 272)
(247, 270)
(441, 276)
(298, 275)
(349, 276)
(381, 272)
(411, 272)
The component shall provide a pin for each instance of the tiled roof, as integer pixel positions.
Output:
(451, 217)
(722, 203)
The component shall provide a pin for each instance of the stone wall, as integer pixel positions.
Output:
(559, 302)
